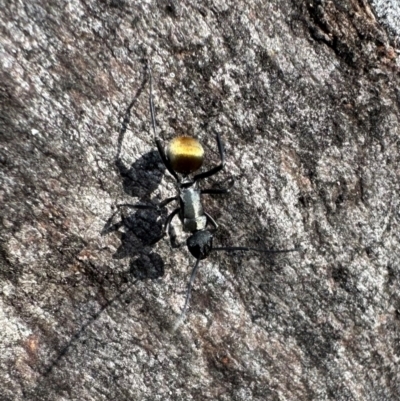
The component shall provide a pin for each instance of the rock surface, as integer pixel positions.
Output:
(306, 98)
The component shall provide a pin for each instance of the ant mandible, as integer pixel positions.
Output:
(184, 156)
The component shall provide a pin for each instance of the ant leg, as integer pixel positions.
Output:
(173, 238)
(211, 220)
(153, 123)
(188, 293)
(137, 206)
(216, 169)
(219, 190)
(155, 207)
(165, 160)
(215, 191)
(166, 201)
(166, 225)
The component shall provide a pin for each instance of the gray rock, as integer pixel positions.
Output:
(306, 98)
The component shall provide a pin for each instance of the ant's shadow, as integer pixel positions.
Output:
(140, 227)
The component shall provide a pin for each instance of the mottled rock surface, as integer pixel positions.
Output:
(306, 98)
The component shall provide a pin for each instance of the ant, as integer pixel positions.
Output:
(183, 157)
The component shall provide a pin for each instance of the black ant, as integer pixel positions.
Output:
(184, 156)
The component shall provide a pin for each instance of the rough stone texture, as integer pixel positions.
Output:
(306, 98)
(388, 12)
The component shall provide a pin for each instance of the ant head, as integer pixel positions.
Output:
(185, 154)
(200, 244)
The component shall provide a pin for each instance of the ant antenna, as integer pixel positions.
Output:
(246, 248)
(181, 317)
(179, 321)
